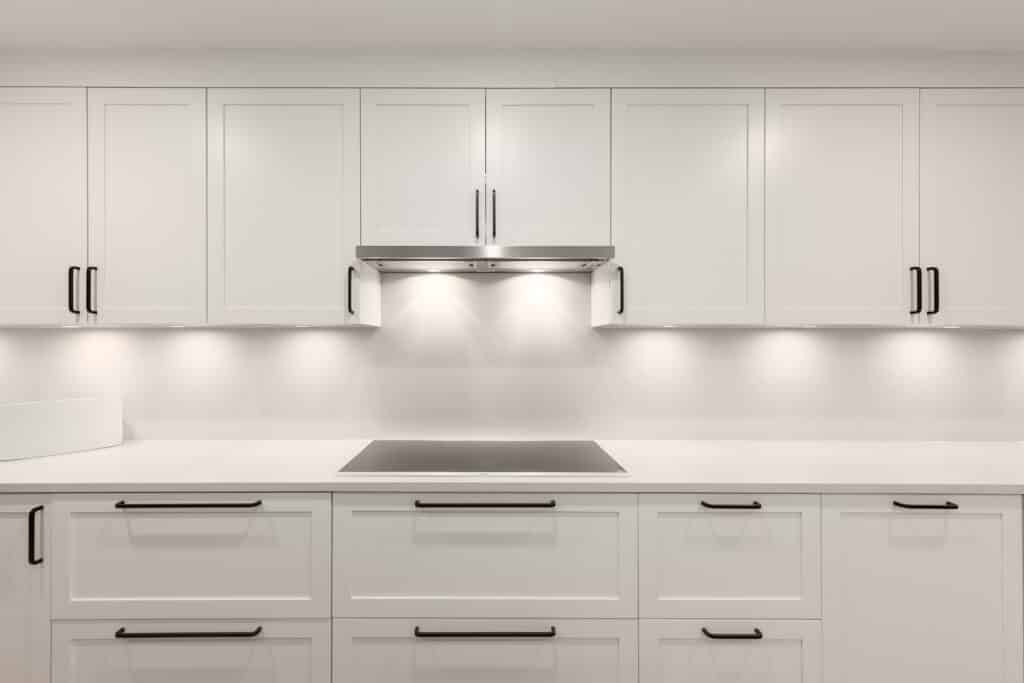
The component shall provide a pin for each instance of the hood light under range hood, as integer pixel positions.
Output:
(485, 259)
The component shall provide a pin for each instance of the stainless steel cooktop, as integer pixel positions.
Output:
(483, 457)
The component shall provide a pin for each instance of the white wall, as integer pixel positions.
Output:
(514, 356)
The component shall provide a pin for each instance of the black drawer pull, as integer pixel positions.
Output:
(756, 635)
(918, 294)
(348, 303)
(731, 506)
(32, 515)
(934, 273)
(73, 307)
(622, 289)
(90, 290)
(476, 214)
(122, 505)
(948, 505)
(122, 633)
(427, 506)
(419, 633)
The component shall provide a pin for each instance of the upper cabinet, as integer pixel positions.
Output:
(284, 209)
(147, 206)
(43, 214)
(842, 205)
(423, 167)
(972, 209)
(687, 209)
(548, 166)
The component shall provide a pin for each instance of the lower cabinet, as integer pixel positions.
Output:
(730, 651)
(922, 588)
(192, 652)
(485, 651)
(24, 591)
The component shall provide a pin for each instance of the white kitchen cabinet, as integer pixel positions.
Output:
(841, 228)
(972, 164)
(730, 556)
(548, 167)
(284, 209)
(778, 652)
(220, 651)
(42, 205)
(485, 555)
(177, 556)
(147, 206)
(423, 166)
(571, 651)
(922, 594)
(687, 209)
(24, 591)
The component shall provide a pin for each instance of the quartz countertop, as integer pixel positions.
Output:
(653, 466)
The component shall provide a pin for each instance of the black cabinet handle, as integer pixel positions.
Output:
(32, 515)
(755, 505)
(351, 271)
(948, 505)
(123, 633)
(622, 290)
(122, 505)
(422, 505)
(933, 272)
(73, 272)
(756, 635)
(918, 290)
(420, 633)
(494, 214)
(476, 213)
(90, 290)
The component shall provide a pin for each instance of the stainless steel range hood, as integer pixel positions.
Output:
(484, 259)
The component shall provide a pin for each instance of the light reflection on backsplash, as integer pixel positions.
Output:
(515, 356)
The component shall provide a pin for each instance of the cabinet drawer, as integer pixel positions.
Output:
(485, 555)
(192, 556)
(388, 651)
(280, 652)
(784, 652)
(730, 556)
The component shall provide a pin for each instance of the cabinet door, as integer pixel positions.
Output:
(42, 195)
(147, 205)
(284, 207)
(423, 166)
(687, 207)
(922, 594)
(560, 651)
(972, 210)
(24, 592)
(779, 652)
(279, 652)
(841, 221)
(548, 167)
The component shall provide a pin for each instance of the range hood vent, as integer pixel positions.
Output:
(484, 259)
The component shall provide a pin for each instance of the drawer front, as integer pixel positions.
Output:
(784, 652)
(563, 556)
(730, 556)
(280, 652)
(151, 557)
(388, 651)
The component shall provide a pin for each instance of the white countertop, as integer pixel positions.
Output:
(652, 466)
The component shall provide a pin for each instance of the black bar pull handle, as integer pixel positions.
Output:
(123, 505)
(933, 274)
(73, 306)
(152, 635)
(755, 635)
(420, 633)
(351, 272)
(622, 290)
(90, 289)
(917, 294)
(494, 214)
(515, 506)
(33, 558)
(948, 505)
(476, 213)
(754, 505)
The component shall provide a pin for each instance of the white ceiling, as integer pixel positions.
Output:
(986, 25)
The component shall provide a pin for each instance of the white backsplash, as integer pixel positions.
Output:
(515, 357)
